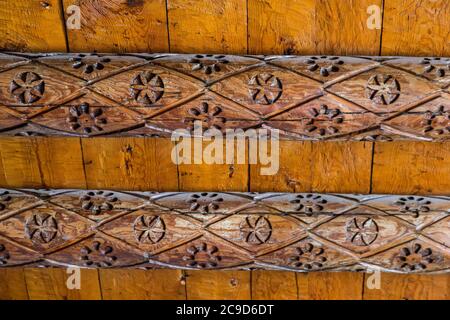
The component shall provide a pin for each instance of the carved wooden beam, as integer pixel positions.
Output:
(311, 98)
(297, 232)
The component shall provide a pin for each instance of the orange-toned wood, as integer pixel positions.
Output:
(138, 163)
(410, 287)
(51, 284)
(31, 26)
(311, 27)
(418, 27)
(415, 168)
(142, 284)
(274, 285)
(223, 285)
(208, 26)
(13, 285)
(119, 26)
(330, 286)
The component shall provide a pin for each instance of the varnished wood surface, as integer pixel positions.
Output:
(303, 97)
(407, 27)
(301, 232)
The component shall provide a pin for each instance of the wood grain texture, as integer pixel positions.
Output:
(13, 285)
(330, 286)
(300, 232)
(411, 287)
(119, 26)
(314, 98)
(308, 27)
(142, 285)
(274, 285)
(211, 26)
(419, 168)
(214, 285)
(50, 284)
(31, 26)
(416, 27)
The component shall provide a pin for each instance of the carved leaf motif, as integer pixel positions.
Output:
(41, 228)
(27, 87)
(265, 88)
(149, 229)
(256, 230)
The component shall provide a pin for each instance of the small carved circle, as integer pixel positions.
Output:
(208, 117)
(324, 121)
(440, 67)
(98, 201)
(27, 87)
(309, 203)
(362, 231)
(308, 257)
(208, 63)
(437, 122)
(98, 255)
(265, 88)
(255, 230)
(147, 88)
(324, 65)
(149, 229)
(413, 205)
(204, 202)
(41, 228)
(86, 119)
(414, 258)
(89, 62)
(202, 256)
(383, 89)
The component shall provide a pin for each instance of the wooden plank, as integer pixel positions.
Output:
(410, 287)
(20, 163)
(13, 285)
(218, 285)
(411, 167)
(142, 284)
(418, 27)
(270, 285)
(341, 166)
(50, 284)
(330, 286)
(31, 26)
(61, 162)
(294, 174)
(132, 163)
(119, 26)
(208, 26)
(212, 177)
(311, 27)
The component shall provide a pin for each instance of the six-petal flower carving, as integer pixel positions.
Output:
(205, 202)
(147, 88)
(362, 231)
(265, 88)
(149, 229)
(41, 228)
(208, 63)
(324, 65)
(98, 255)
(383, 89)
(98, 201)
(309, 203)
(256, 230)
(27, 87)
(89, 62)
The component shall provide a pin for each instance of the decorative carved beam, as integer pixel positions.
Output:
(310, 98)
(297, 232)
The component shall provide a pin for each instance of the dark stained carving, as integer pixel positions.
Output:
(41, 228)
(149, 229)
(27, 87)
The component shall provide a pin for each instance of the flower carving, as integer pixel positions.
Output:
(149, 229)
(208, 63)
(85, 118)
(98, 255)
(41, 228)
(308, 257)
(27, 87)
(89, 62)
(202, 256)
(98, 201)
(147, 88)
(437, 122)
(4, 255)
(414, 258)
(309, 203)
(265, 88)
(413, 205)
(208, 118)
(324, 120)
(256, 230)
(383, 89)
(5, 197)
(204, 202)
(439, 66)
(362, 231)
(324, 65)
